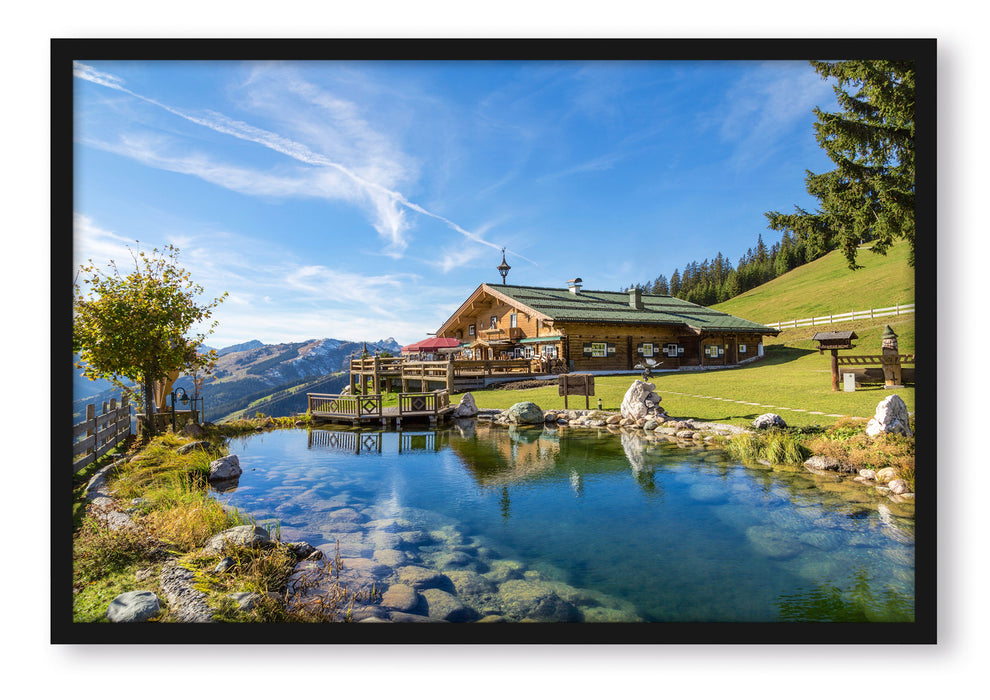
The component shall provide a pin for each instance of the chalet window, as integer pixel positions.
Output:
(742, 347)
(550, 351)
(672, 350)
(714, 351)
(471, 329)
(598, 349)
(645, 349)
(494, 323)
(513, 321)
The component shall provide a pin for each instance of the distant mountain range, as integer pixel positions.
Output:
(253, 376)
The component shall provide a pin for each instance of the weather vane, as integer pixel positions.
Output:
(504, 268)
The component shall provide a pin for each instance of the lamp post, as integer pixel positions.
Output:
(180, 394)
(504, 268)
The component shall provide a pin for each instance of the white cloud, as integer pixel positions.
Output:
(386, 204)
(766, 103)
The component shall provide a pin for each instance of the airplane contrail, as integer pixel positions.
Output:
(297, 151)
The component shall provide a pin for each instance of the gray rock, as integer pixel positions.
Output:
(898, 486)
(420, 577)
(401, 597)
(225, 564)
(772, 542)
(192, 446)
(525, 413)
(828, 464)
(640, 401)
(225, 468)
(467, 407)
(444, 606)
(249, 536)
(245, 600)
(301, 550)
(192, 430)
(476, 591)
(133, 606)
(533, 600)
(187, 603)
(769, 420)
(891, 416)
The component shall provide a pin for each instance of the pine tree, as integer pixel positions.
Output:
(869, 196)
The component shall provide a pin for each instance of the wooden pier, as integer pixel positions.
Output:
(364, 409)
(393, 373)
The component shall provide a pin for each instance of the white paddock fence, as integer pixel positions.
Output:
(896, 310)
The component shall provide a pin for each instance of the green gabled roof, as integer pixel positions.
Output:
(613, 307)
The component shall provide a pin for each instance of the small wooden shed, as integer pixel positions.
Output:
(835, 341)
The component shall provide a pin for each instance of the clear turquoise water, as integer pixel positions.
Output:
(671, 533)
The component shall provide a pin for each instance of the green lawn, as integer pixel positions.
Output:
(827, 285)
(793, 375)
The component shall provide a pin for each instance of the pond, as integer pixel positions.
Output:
(557, 524)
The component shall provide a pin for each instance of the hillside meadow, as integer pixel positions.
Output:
(827, 286)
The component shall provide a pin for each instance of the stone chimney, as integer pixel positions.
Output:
(635, 298)
(574, 285)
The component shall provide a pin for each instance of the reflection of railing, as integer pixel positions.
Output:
(351, 442)
(430, 442)
(354, 443)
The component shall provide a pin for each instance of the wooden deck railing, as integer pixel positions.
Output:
(424, 402)
(103, 432)
(345, 406)
(490, 368)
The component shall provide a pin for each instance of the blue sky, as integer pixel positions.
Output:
(366, 200)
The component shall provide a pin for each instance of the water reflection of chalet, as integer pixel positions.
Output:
(575, 329)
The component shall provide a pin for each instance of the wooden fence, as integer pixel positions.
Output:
(895, 310)
(102, 432)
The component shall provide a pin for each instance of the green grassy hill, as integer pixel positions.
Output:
(827, 285)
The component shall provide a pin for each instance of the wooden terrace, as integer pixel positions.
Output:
(395, 373)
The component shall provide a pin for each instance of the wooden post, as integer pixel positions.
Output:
(91, 416)
(376, 381)
(835, 370)
(450, 373)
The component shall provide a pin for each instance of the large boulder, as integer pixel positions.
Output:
(525, 413)
(133, 606)
(467, 408)
(534, 600)
(891, 416)
(769, 420)
(250, 536)
(225, 468)
(641, 401)
(821, 463)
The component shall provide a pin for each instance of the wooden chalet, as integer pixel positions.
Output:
(572, 329)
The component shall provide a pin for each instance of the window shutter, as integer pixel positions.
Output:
(586, 350)
(609, 349)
